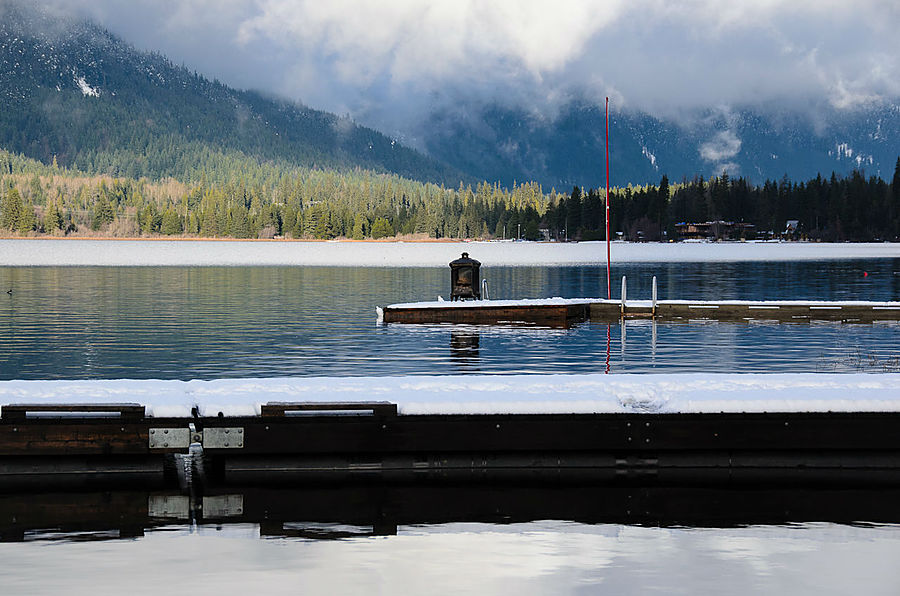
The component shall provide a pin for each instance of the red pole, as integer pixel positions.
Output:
(608, 293)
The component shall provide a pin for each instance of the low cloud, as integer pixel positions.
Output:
(723, 146)
(389, 63)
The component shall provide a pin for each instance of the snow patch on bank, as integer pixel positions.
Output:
(86, 89)
(489, 394)
(46, 252)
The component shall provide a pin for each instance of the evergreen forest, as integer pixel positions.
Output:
(260, 200)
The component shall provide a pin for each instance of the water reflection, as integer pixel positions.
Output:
(545, 557)
(380, 510)
(464, 349)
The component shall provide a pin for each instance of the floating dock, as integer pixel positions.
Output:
(86, 446)
(553, 312)
(559, 312)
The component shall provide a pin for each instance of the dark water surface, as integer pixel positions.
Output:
(186, 323)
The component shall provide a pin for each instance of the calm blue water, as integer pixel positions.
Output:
(185, 323)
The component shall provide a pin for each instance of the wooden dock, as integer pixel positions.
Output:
(301, 444)
(487, 312)
(560, 313)
(785, 311)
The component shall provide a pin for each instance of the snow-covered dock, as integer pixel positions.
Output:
(560, 312)
(596, 429)
(484, 394)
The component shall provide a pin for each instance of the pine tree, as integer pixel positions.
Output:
(359, 231)
(27, 220)
(53, 218)
(11, 209)
(382, 228)
(171, 223)
(103, 212)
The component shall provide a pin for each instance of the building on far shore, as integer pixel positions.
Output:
(716, 230)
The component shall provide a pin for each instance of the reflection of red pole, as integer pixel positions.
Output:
(608, 342)
(608, 293)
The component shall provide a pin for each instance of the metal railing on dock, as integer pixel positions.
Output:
(796, 311)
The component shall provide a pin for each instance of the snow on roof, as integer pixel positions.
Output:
(490, 394)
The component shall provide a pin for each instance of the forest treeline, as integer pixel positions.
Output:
(310, 203)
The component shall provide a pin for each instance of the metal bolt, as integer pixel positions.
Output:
(152, 431)
(165, 444)
(240, 430)
(226, 431)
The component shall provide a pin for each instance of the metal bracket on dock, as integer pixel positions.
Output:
(170, 438)
(222, 438)
(210, 438)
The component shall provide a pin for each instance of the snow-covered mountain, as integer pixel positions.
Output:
(72, 91)
(760, 143)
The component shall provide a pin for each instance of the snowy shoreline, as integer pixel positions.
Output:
(489, 394)
(207, 253)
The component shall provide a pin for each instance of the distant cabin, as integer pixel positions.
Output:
(791, 229)
(715, 230)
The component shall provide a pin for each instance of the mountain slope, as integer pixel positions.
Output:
(73, 91)
(762, 143)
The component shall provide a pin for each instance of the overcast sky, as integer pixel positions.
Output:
(388, 61)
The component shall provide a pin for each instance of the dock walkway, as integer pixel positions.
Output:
(559, 312)
(733, 430)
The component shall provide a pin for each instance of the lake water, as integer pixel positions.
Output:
(214, 322)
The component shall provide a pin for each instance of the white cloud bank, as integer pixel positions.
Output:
(394, 59)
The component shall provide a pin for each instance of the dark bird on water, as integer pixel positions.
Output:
(9, 291)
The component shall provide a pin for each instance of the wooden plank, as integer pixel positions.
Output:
(18, 412)
(543, 315)
(62, 437)
(378, 408)
(559, 433)
(744, 312)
